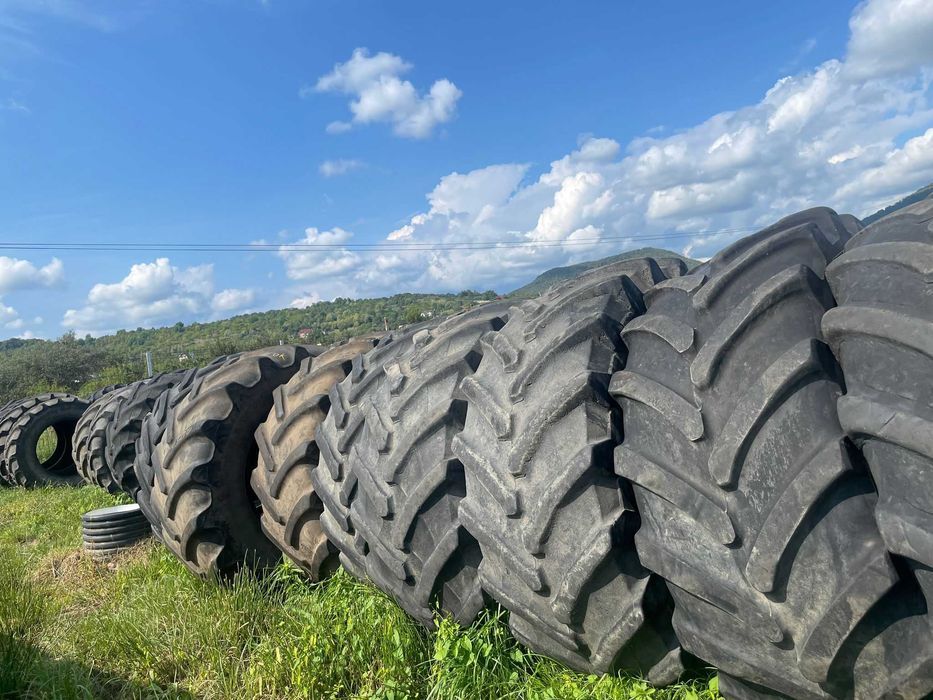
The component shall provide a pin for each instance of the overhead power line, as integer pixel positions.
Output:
(382, 247)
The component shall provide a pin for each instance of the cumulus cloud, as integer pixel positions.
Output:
(152, 294)
(853, 133)
(18, 274)
(341, 166)
(379, 94)
(229, 300)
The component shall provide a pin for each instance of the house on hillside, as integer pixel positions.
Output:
(305, 333)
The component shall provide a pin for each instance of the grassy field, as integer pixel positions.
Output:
(141, 626)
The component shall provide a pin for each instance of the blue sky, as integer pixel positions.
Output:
(518, 135)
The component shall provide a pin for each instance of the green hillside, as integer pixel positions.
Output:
(919, 195)
(558, 274)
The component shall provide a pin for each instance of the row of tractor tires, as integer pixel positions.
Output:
(195, 458)
(104, 444)
(22, 425)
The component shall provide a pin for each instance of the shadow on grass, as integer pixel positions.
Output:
(27, 672)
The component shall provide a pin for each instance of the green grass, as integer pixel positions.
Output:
(142, 626)
(46, 444)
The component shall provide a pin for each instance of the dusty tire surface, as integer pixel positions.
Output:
(126, 423)
(8, 414)
(882, 335)
(202, 462)
(405, 512)
(26, 423)
(291, 510)
(755, 508)
(89, 446)
(333, 481)
(554, 522)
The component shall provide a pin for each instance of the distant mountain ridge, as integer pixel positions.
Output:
(558, 274)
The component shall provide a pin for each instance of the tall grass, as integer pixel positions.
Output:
(142, 626)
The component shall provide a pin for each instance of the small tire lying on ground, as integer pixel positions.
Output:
(291, 509)
(754, 506)
(25, 425)
(89, 448)
(554, 522)
(201, 494)
(125, 426)
(882, 335)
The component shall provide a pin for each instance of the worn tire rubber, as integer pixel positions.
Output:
(405, 512)
(554, 522)
(28, 421)
(103, 391)
(201, 466)
(89, 446)
(291, 510)
(125, 427)
(334, 483)
(882, 335)
(755, 508)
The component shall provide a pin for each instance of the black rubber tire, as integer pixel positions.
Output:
(334, 483)
(125, 538)
(90, 441)
(405, 513)
(291, 510)
(209, 515)
(125, 427)
(151, 432)
(554, 522)
(882, 334)
(58, 411)
(755, 508)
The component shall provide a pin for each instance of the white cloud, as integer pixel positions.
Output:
(379, 94)
(11, 104)
(304, 301)
(151, 294)
(890, 36)
(318, 255)
(232, 300)
(22, 274)
(852, 133)
(341, 166)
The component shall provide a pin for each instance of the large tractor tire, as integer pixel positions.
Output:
(291, 510)
(554, 522)
(334, 483)
(26, 423)
(125, 427)
(882, 334)
(201, 464)
(89, 446)
(409, 483)
(755, 508)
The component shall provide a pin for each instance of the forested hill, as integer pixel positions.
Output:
(84, 364)
(919, 195)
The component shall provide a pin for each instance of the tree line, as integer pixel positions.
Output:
(82, 365)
